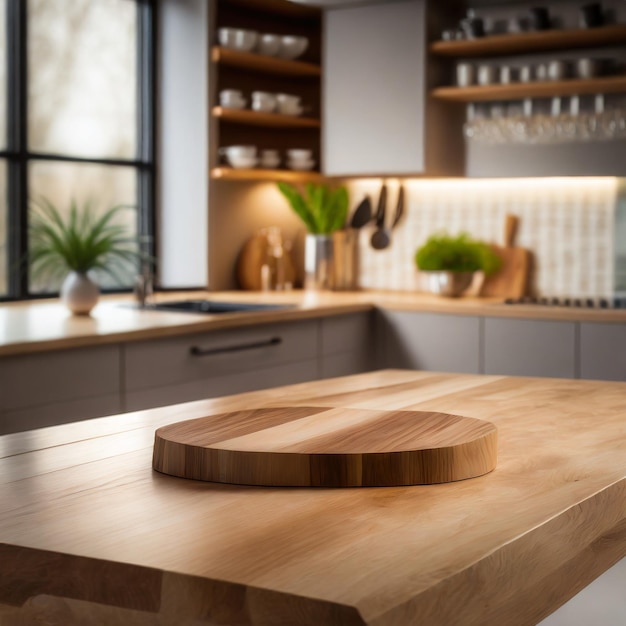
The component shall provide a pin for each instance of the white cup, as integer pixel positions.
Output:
(557, 70)
(263, 101)
(270, 159)
(232, 99)
(486, 74)
(541, 71)
(526, 74)
(288, 104)
(465, 74)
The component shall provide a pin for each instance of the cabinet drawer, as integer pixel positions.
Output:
(301, 371)
(35, 379)
(171, 361)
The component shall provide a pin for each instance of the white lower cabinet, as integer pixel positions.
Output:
(430, 341)
(57, 387)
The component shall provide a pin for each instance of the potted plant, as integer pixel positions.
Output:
(323, 211)
(450, 262)
(70, 248)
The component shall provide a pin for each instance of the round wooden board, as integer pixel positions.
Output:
(302, 446)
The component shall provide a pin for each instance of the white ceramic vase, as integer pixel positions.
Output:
(79, 293)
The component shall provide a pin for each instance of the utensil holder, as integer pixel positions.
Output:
(346, 260)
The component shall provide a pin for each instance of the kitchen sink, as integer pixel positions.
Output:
(213, 306)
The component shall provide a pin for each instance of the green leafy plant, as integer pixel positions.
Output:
(322, 209)
(458, 253)
(81, 242)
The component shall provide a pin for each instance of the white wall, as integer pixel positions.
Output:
(183, 160)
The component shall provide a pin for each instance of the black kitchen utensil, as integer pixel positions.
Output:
(362, 214)
(591, 15)
(380, 237)
(399, 208)
(540, 18)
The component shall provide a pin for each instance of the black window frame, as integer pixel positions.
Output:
(17, 155)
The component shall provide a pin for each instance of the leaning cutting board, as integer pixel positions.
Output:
(327, 447)
(511, 280)
(252, 257)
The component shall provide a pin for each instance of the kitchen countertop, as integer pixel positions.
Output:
(41, 325)
(90, 533)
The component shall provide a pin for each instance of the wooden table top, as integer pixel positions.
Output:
(85, 523)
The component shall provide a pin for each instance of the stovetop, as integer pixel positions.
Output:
(615, 302)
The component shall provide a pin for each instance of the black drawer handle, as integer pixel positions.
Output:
(197, 351)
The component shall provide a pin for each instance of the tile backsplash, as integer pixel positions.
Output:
(569, 224)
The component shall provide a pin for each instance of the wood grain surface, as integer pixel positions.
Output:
(322, 447)
(84, 517)
(511, 280)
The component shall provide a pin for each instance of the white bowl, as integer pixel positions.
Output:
(237, 38)
(246, 152)
(290, 109)
(268, 44)
(292, 46)
(263, 101)
(263, 106)
(299, 154)
(301, 165)
(239, 162)
(286, 98)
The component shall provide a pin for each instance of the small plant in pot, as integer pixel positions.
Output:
(71, 249)
(323, 211)
(450, 262)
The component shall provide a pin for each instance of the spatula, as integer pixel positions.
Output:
(362, 214)
(380, 237)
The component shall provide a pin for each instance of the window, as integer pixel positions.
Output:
(76, 118)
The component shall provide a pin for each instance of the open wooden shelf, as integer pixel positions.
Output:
(254, 118)
(262, 63)
(536, 41)
(280, 7)
(290, 176)
(544, 89)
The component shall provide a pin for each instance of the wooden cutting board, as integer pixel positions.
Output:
(253, 255)
(327, 447)
(511, 280)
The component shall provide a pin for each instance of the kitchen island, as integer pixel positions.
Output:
(89, 534)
